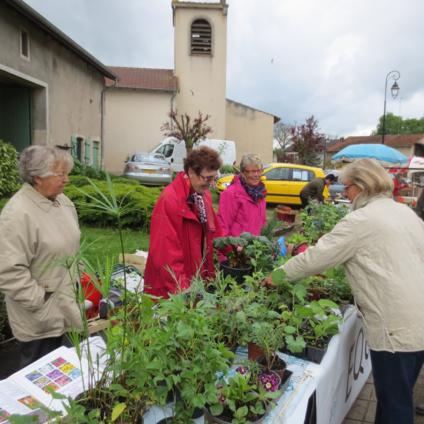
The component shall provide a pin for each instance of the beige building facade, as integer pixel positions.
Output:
(251, 128)
(136, 106)
(139, 103)
(50, 88)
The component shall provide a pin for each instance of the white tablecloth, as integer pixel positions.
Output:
(337, 380)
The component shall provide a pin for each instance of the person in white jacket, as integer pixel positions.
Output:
(381, 246)
(38, 231)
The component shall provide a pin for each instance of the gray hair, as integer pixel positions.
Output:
(40, 161)
(370, 177)
(250, 159)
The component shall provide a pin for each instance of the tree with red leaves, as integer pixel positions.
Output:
(308, 142)
(182, 127)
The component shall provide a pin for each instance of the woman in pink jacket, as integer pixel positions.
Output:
(242, 205)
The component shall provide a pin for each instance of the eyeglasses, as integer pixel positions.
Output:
(347, 187)
(61, 175)
(253, 171)
(208, 178)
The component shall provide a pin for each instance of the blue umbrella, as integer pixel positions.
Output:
(386, 155)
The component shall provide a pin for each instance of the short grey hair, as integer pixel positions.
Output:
(250, 159)
(40, 161)
(370, 177)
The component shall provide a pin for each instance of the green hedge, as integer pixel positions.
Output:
(9, 175)
(5, 332)
(138, 198)
(87, 170)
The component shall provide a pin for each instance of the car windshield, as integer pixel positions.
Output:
(145, 157)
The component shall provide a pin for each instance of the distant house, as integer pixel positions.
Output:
(408, 144)
(50, 87)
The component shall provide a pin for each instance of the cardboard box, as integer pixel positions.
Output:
(138, 260)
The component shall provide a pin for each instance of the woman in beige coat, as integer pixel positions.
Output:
(381, 246)
(38, 230)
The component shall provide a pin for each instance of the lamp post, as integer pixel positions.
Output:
(394, 75)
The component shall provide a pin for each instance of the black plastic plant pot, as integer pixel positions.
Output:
(219, 420)
(315, 354)
(197, 413)
(237, 273)
(167, 420)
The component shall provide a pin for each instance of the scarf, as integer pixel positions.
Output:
(199, 203)
(256, 193)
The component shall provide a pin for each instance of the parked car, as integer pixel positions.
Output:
(149, 169)
(283, 182)
(336, 190)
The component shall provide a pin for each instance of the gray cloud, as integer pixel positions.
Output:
(293, 58)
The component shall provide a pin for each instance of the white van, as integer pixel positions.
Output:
(174, 150)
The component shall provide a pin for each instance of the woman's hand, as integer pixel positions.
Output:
(267, 281)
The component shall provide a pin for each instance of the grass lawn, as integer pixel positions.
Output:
(105, 242)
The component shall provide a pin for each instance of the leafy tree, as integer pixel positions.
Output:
(308, 142)
(397, 125)
(182, 127)
(282, 135)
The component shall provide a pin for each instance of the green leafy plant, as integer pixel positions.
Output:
(137, 200)
(269, 336)
(182, 344)
(241, 396)
(85, 170)
(320, 218)
(9, 175)
(247, 251)
(5, 332)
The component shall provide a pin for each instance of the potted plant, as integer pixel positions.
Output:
(242, 397)
(181, 345)
(269, 337)
(321, 324)
(245, 254)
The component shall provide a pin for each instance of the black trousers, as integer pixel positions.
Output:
(305, 200)
(395, 375)
(35, 349)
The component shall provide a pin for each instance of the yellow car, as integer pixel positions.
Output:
(283, 182)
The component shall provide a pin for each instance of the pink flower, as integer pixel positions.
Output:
(269, 381)
(242, 370)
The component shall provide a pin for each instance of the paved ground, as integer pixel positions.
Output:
(363, 410)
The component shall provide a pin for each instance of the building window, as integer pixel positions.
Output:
(201, 37)
(80, 148)
(24, 44)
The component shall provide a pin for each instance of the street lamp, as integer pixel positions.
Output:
(394, 75)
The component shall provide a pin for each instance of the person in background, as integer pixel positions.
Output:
(381, 246)
(183, 227)
(38, 229)
(242, 205)
(315, 189)
(398, 185)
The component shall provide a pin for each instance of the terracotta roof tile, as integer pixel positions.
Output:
(144, 78)
(402, 140)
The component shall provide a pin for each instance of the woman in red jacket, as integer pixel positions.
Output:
(183, 227)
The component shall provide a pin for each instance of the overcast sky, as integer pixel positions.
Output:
(292, 58)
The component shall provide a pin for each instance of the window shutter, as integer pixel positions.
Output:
(201, 37)
(87, 152)
(96, 155)
(74, 146)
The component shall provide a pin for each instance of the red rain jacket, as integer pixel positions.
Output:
(175, 251)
